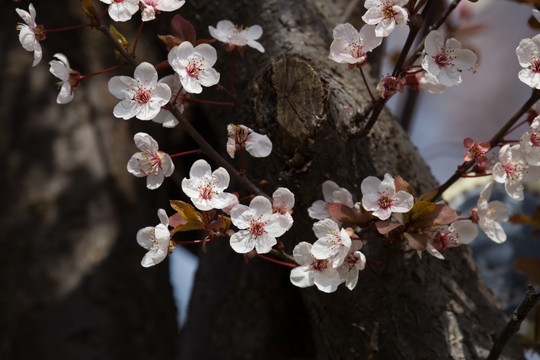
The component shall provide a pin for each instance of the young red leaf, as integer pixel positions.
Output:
(347, 215)
(529, 266)
(384, 227)
(183, 29)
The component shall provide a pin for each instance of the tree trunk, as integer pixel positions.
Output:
(313, 110)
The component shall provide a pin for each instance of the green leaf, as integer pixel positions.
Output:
(193, 218)
(120, 38)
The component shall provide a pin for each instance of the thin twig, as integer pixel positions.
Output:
(531, 298)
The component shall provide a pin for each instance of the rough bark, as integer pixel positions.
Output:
(71, 282)
(313, 110)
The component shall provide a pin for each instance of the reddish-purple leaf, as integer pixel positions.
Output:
(183, 29)
(529, 266)
(384, 227)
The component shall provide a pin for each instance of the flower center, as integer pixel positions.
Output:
(384, 202)
(118, 1)
(535, 65)
(514, 169)
(193, 70)
(356, 50)
(442, 59)
(535, 138)
(256, 228)
(351, 260)
(206, 190)
(389, 12)
(320, 265)
(142, 96)
(150, 162)
(39, 33)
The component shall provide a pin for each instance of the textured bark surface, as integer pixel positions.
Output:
(312, 110)
(71, 282)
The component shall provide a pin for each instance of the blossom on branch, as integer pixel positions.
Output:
(69, 78)
(528, 53)
(259, 226)
(477, 151)
(353, 263)
(350, 46)
(331, 193)
(178, 100)
(446, 60)
(150, 7)
(237, 36)
(530, 143)
(282, 203)
(194, 66)
(205, 188)
(386, 14)
(332, 243)
(122, 10)
(388, 86)
(489, 215)
(241, 137)
(141, 96)
(156, 240)
(311, 271)
(381, 197)
(150, 162)
(512, 170)
(30, 33)
(448, 236)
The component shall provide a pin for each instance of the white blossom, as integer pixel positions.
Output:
(489, 215)
(150, 7)
(446, 60)
(350, 46)
(332, 243)
(150, 162)
(386, 14)
(242, 137)
(156, 240)
(282, 203)
(194, 66)
(512, 170)
(428, 82)
(69, 79)
(354, 262)
(381, 197)
(30, 33)
(530, 143)
(259, 226)
(528, 53)
(237, 35)
(311, 271)
(141, 97)
(205, 188)
(331, 193)
(122, 10)
(448, 236)
(178, 100)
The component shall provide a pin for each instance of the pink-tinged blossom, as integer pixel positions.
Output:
(150, 162)
(513, 170)
(241, 137)
(194, 66)
(528, 53)
(30, 33)
(141, 97)
(446, 60)
(350, 46)
(530, 143)
(259, 226)
(333, 243)
(442, 237)
(385, 14)
(237, 36)
(389, 86)
(69, 78)
(122, 10)
(354, 262)
(205, 188)
(381, 197)
(311, 271)
(178, 100)
(151, 7)
(331, 193)
(476, 151)
(282, 203)
(156, 240)
(489, 215)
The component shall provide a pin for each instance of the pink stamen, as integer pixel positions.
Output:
(150, 163)
(320, 265)
(193, 70)
(384, 202)
(442, 59)
(143, 96)
(206, 192)
(256, 228)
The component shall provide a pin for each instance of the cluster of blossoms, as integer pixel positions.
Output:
(123, 10)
